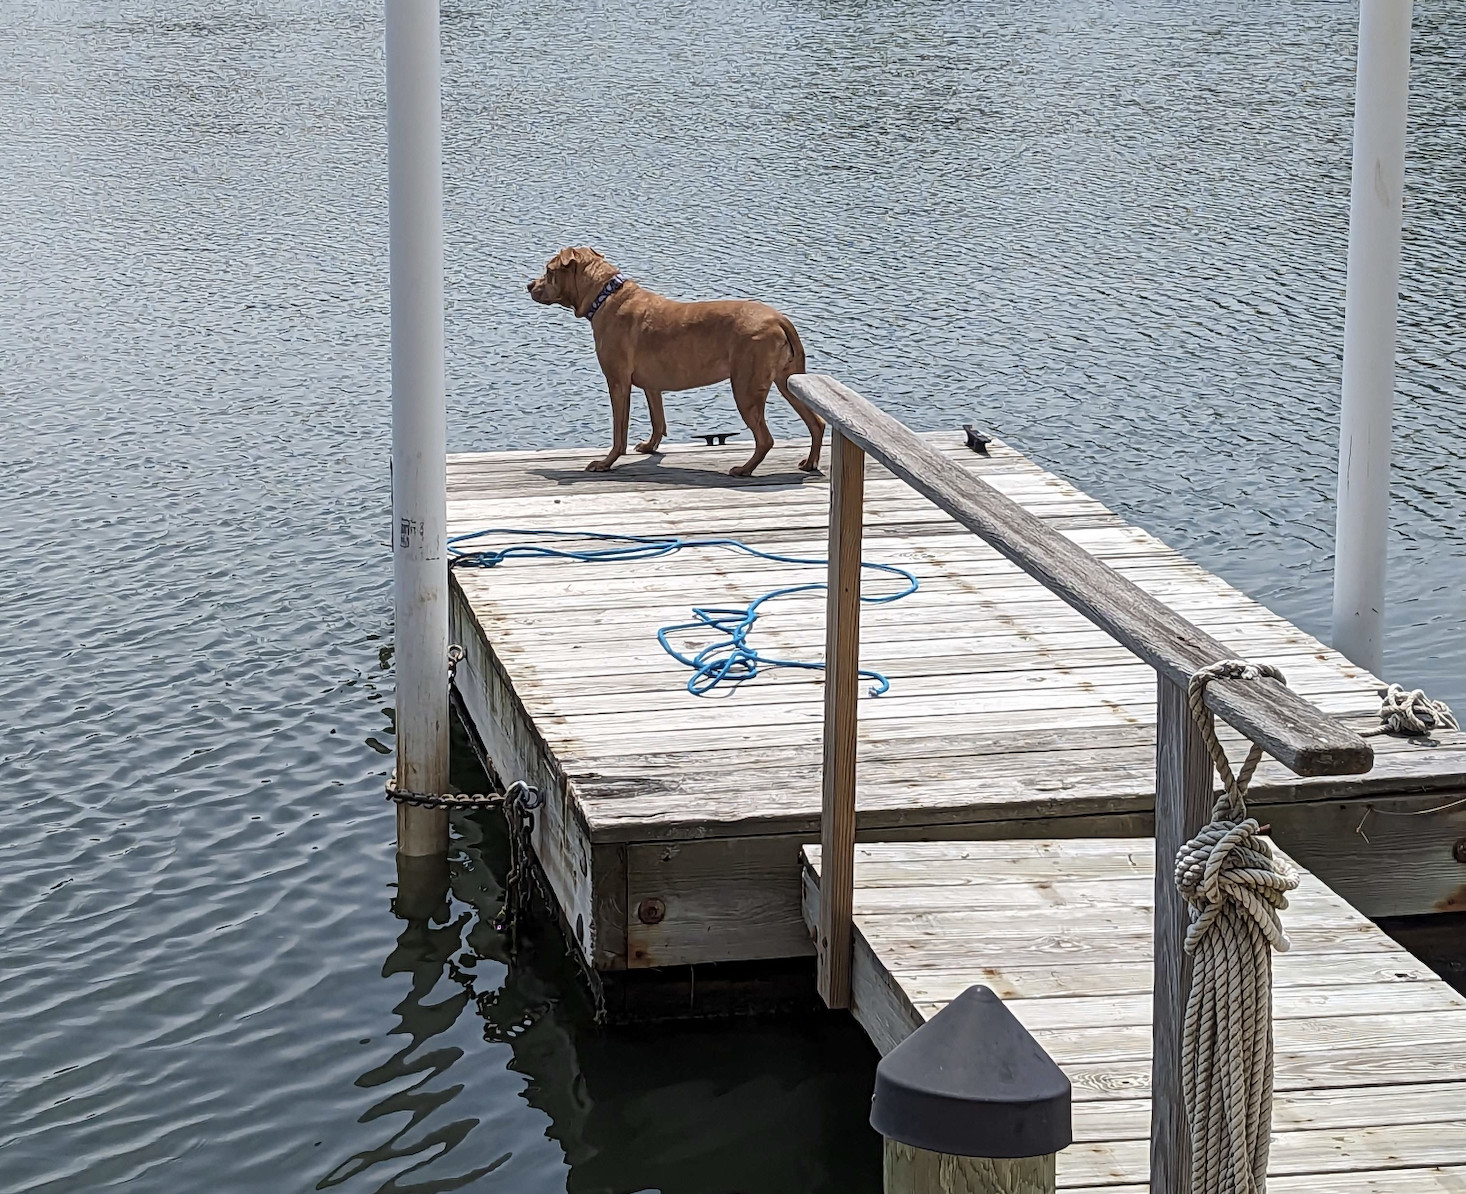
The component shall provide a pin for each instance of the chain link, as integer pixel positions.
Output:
(519, 802)
(450, 800)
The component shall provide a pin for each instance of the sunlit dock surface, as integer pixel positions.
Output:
(673, 824)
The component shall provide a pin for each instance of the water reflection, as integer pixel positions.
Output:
(667, 1107)
(412, 1073)
(773, 1107)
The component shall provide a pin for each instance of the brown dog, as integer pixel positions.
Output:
(658, 344)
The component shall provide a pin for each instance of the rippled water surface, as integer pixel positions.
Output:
(1114, 232)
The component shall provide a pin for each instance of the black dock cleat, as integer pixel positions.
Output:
(976, 440)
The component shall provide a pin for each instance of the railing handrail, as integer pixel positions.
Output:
(1290, 728)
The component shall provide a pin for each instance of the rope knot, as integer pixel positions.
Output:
(1230, 862)
(1235, 887)
(1412, 712)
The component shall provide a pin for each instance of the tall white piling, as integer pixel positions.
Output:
(1382, 92)
(419, 435)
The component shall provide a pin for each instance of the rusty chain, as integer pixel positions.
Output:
(520, 802)
(461, 800)
(467, 801)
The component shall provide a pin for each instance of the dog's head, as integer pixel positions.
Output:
(566, 276)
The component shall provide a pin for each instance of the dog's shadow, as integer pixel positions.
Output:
(649, 469)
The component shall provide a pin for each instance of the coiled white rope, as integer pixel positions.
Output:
(1235, 887)
(1412, 712)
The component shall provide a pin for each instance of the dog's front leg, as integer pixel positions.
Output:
(620, 425)
(659, 421)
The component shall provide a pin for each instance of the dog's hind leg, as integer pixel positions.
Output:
(659, 421)
(816, 425)
(751, 393)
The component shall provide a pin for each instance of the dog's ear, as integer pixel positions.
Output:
(564, 259)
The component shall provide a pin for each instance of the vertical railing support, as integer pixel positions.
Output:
(908, 1170)
(842, 681)
(1183, 804)
(419, 447)
(970, 1103)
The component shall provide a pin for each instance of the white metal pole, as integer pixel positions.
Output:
(1369, 329)
(419, 435)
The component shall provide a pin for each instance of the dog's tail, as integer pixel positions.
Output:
(796, 346)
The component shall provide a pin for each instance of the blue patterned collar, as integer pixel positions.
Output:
(607, 291)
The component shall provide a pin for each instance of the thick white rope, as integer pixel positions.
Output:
(1412, 712)
(1235, 887)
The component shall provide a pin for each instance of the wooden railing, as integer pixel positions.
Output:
(1288, 727)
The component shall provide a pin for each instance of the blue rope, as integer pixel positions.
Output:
(731, 658)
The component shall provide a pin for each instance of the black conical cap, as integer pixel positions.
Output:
(971, 1082)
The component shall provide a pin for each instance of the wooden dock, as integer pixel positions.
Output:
(1371, 1046)
(673, 824)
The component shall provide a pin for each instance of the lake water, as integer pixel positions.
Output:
(1113, 232)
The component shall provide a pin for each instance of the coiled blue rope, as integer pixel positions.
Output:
(731, 658)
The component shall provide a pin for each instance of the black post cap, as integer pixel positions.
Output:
(971, 1082)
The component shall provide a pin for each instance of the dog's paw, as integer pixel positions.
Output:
(809, 466)
(740, 470)
(646, 447)
(598, 466)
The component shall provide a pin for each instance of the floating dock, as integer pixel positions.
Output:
(673, 824)
(1370, 1084)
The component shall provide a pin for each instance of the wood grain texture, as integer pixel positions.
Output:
(737, 898)
(842, 680)
(421, 832)
(1183, 799)
(909, 1170)
(517, 751)
(608, 900)
(1010, 714)
(722, 900)
(1443, 1179)
(1289, 728)
(1371, 1046)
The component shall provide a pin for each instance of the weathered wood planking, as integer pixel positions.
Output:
(1183, 800)
(1371, 1046)
(1009, 714)
(842, 681)
(1264, 710)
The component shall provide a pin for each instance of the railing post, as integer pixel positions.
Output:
(1183, 803)
(842, 664)
(970, 1103)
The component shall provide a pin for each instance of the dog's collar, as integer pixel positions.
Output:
(607, 291)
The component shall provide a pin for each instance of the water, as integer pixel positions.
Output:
(1113, 232)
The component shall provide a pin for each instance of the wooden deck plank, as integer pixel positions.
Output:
(1374, 1106)
(1317, 1154)
(1435, 1180)
(1371, 1048)
(1009, 713)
